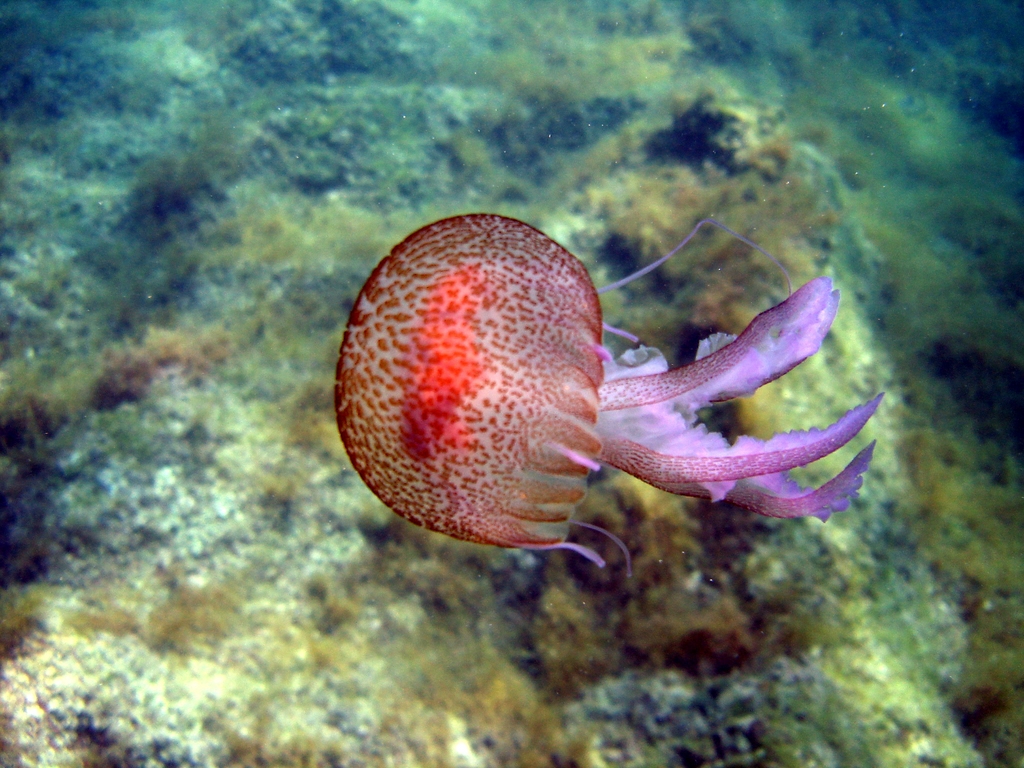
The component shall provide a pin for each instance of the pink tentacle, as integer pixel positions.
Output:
(587, 552)
(576, 457)
(617, 541)
(579, 549)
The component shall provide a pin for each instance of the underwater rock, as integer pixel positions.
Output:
(731, 137)
(308, 40)
(349, 137)
(680, 721)
(528, 139)
(697, 133)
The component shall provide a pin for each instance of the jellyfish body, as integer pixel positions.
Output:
(468, 379)
(473, 395)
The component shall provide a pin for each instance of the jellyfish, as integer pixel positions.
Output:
(474, 395)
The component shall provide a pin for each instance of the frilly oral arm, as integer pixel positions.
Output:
(790, 500)
(778, 496)
(749, 457)
(774, 343)
(750, 473)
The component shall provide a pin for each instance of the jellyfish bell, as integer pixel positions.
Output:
(474, 396)
(467, 382)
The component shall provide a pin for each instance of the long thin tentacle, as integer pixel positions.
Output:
(654, 265)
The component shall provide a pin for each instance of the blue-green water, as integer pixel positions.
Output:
(192, 195)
